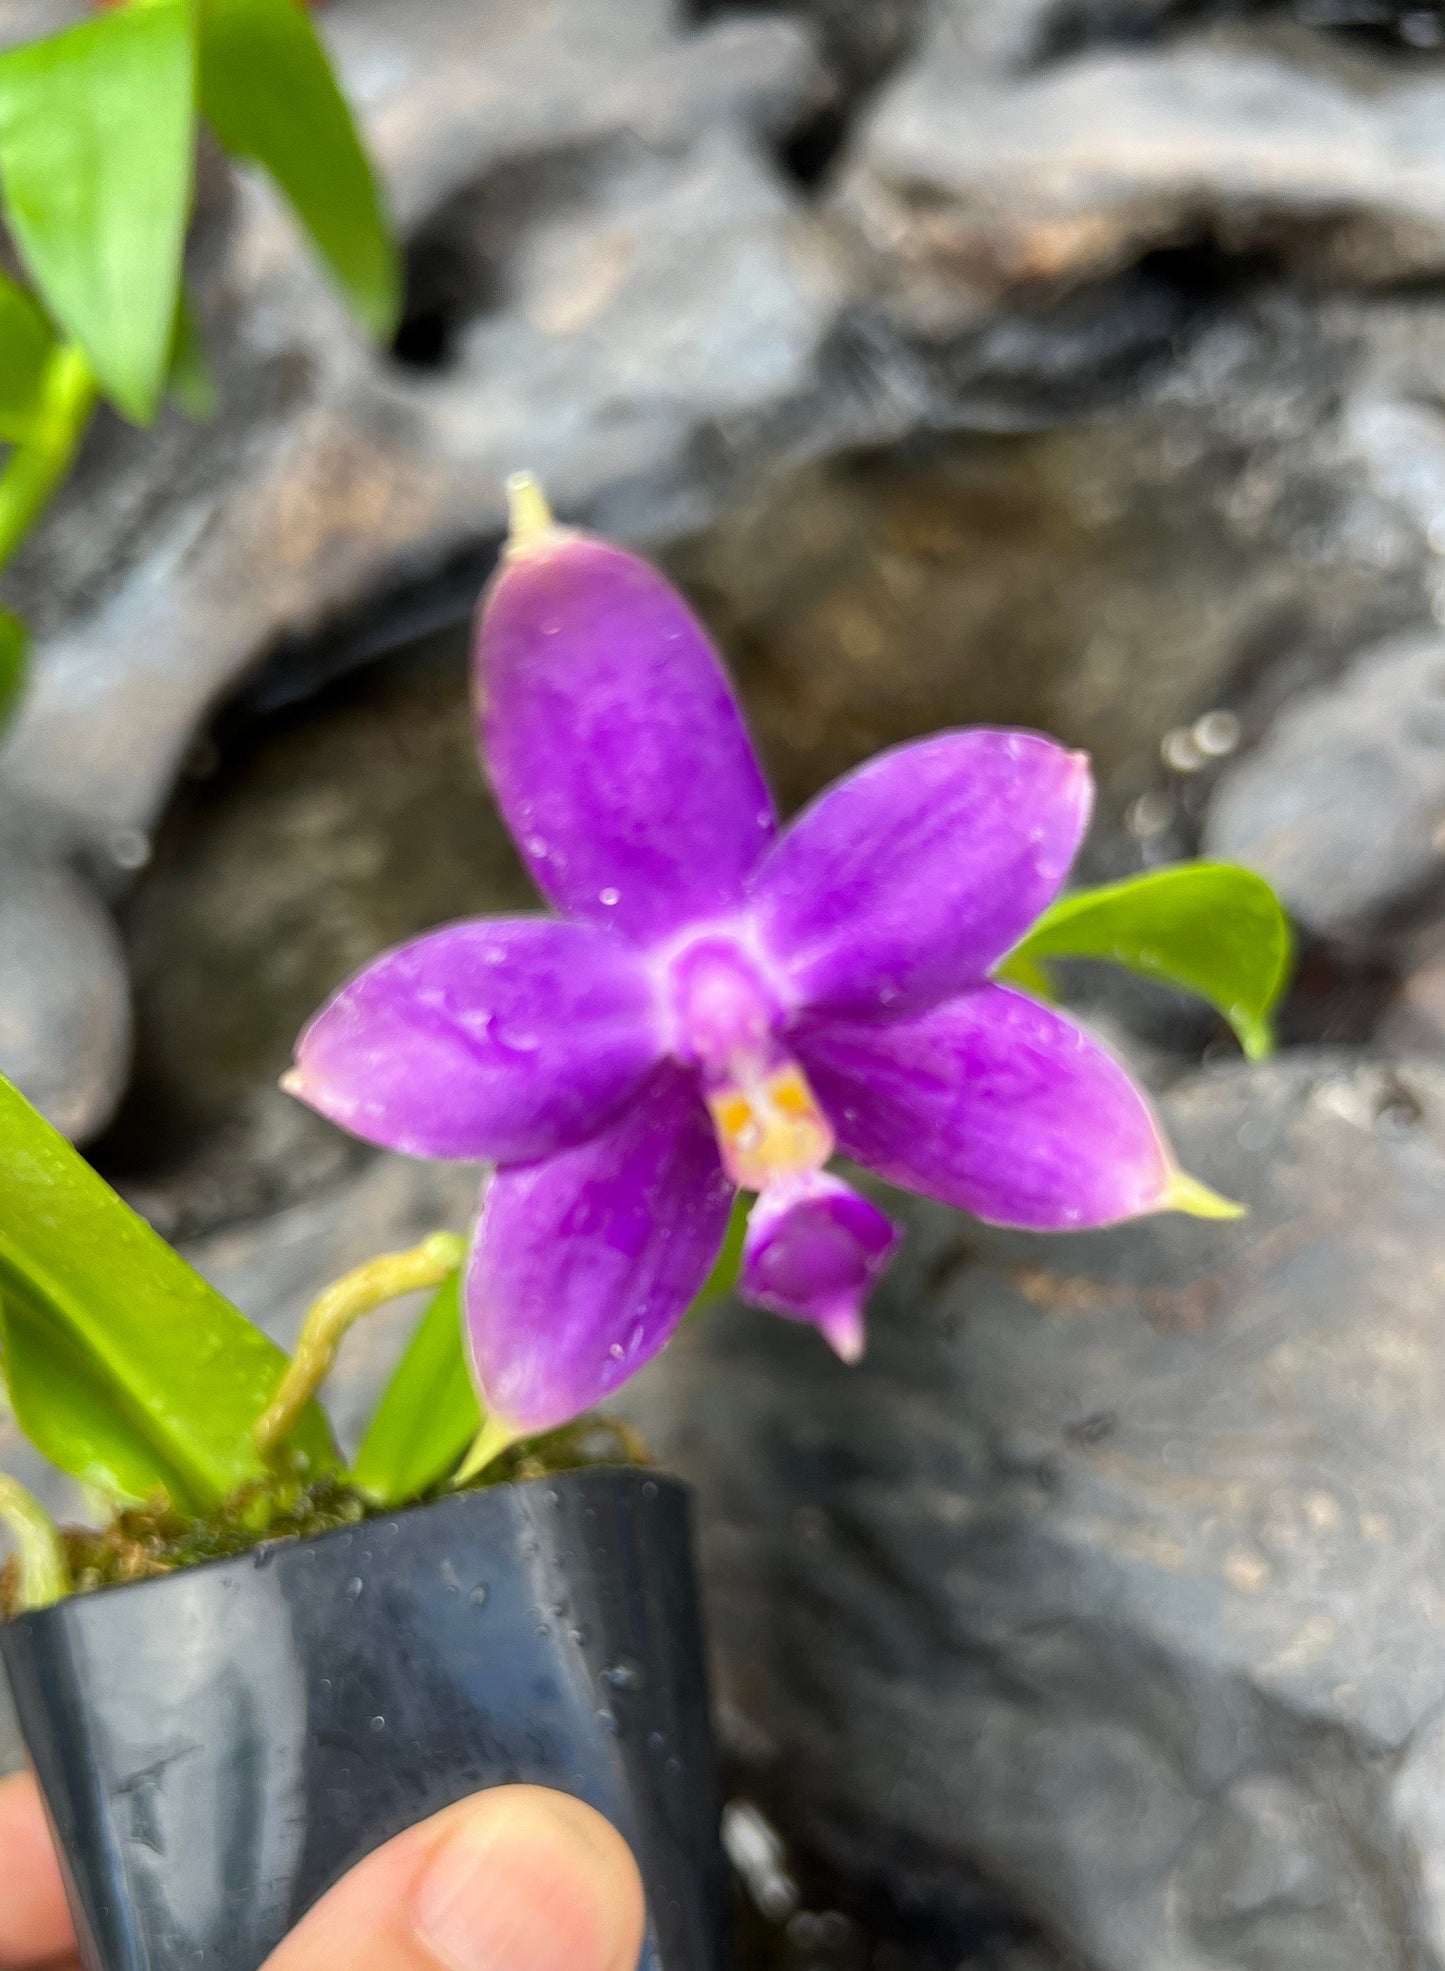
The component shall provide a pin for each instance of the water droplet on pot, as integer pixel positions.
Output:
(649, 1488)
(378, 1724)
(608, 1721)
(672, 1764)
(355, 1588)
(554, 1499)
(478, 1596)
(625, 1674)
(657, 1741)
(450, 1580)
(543, 1631)
(579, 1636)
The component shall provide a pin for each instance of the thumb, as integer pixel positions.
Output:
(514, 1879)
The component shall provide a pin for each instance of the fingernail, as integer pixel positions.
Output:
(529, 1881)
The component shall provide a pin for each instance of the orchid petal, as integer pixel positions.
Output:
(584, 1263)
(813, 1249)
(615, 746)
(909, 880)
(492, 1040)
(996, 1104)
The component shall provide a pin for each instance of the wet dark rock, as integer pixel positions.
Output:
(65, 1025)
(1414, 1021)
(312, 841)
(1342, 803)
(1111, 580)
(1111, 1579)
(632, 277)
(985, 170)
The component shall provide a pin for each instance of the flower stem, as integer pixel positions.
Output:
(44, 1570)
(36, 467)
(333, 1312)
(491, 1440)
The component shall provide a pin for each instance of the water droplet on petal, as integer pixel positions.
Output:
(609, 896)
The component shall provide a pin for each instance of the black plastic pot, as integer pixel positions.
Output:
(217, 1746)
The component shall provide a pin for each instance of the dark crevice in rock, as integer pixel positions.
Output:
(387, 625)
(847, 1917)
(1335, 999)
(442, 288)
(457, 264)
(862, 47)
(1396, 23)
(1078, 26)
(808, 153)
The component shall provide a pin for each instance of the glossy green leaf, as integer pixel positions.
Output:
(14, 651)
(428, 1413)
(1206, 927)
(26, 340)
(192, 384)
(268, 92)
(74, 1414)
(97, 138)
(128, 1368)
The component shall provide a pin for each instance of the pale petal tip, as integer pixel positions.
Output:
(845, 1333)
(293, 1083)
(529, 517)
(1185, 1193)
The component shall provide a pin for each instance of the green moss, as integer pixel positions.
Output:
(153, 1539)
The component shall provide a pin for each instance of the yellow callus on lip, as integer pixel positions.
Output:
(770, 1128)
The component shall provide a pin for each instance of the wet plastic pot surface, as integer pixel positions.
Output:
(217, 1747)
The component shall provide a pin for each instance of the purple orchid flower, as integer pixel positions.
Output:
(720, 1005)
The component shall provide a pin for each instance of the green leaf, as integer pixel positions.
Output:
(72, 1413)
(14, 653)
(1207, 927)
(128, 1369)
(97, 138)
(428, 1413)
(191, 383)
(268, 93)
(26, 340)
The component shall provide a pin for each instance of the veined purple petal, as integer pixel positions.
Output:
(812, 1251)
(616, 748)
(585, 1262)
(493, 1040)
(909, 880)
(994, 1103)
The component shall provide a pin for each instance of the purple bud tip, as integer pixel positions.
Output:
(813, 1251)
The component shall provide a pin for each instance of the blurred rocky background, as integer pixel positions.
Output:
(1072, 362)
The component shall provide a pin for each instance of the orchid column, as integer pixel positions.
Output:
(719, 1004)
